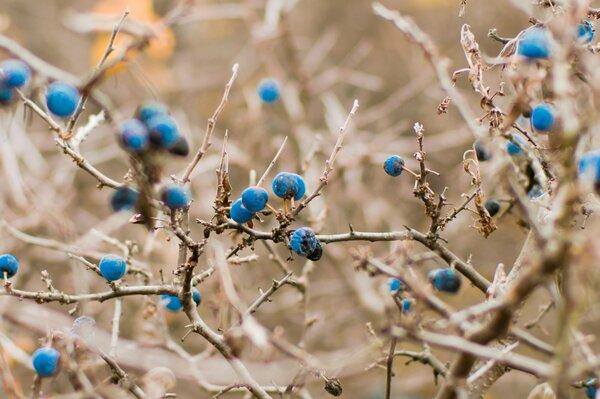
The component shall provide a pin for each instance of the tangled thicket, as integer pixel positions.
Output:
(335, 237)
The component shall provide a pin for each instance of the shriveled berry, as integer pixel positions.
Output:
(492, 206)
(240, 214)
(9, 264)
(542, 117)
(175, 196)
(317, 253)
(303, 241)
(481, 151)
(163, 131)
(394, 165)
(445, 280)
(255, 198)
(62, 99)
(535, 43)
(149, 109)
(124, 198)
(112, 267)
(268, 91)
(45, 361)
(133, 135)
(14, 73)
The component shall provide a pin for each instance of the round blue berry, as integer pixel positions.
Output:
(396, 285)
(542, 117)
(62, 99)
(6, 94)
(240, 214)
(9, 264)
(589, 166)
(255, 198)
(514, 149)
(535, 43)
(492, 206)
(14, 73)
(45, 361)
(124, 199)
(269, 91)
(112, 267)
(445, 280)
(149, 109)
(133, 135)
(303, 241)
(406, 305)
(173, 303)
(163, 131)
(394, 165)
(590, 390)
(175, 196)
(288, 185)
(585, 32)
(481, 151)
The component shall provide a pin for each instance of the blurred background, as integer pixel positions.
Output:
(325, 54)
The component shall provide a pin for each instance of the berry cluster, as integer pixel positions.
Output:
(173, 304)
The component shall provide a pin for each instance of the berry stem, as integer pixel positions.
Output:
(415, 174)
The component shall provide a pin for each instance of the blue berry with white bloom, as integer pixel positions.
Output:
(163, 131)
(288, 185)
(303, 241)
(542, 117)
(394, 165)
(407, 305)
(134, 135)
(255, 198)
(269, 91)
(9, 264)
(14, 73)
(445, 280)
(150, 109)
(45, 361)
(589, 167)
(62, 99)
(173, 303)
(512, 148)
(124, 198)
(112, 267)
(585, 32)
(176, 196)
(240, 214)
(535, 43)
(396, 285)
(299, 186)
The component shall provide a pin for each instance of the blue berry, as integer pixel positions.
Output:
(134, 135)
(585, 32)
(175, 196)
(481, 151)
(255, 198)
(62, 99)
(14, 73)
(514, 149)
(45, 361)
(6, 94)
(124, 199)
(492, 206)
(173, 303)
(589, 167)
(163, 131)
(407, 305)
(9, 264)
(535, 44)
(445, 280)
(535, 192)
(317, 253)
(590, 390)
(149, 109)
(303, 241)
(542, 117)
(240, 214)
(288, 185)
(394, 165)
(396, 285)
(181, 147)
(269, 91)
(112, 267)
